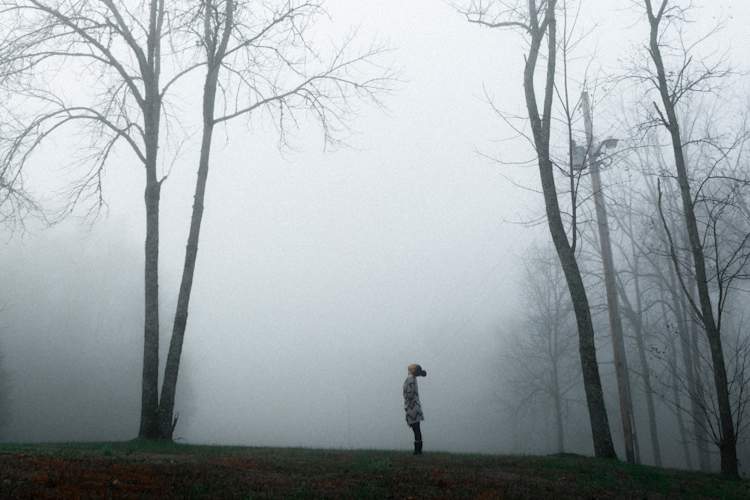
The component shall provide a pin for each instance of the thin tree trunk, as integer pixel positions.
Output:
(701, 434)
(727, 439)
(680, 311)
(560, 437)
(149, 428)
(171, 369)
(643, 358)
(692, 356)
(677, 400)
(687, 330)
(150, 68)
(602, 438)
(150, 380)
(554, 352)
(615, 323)
(634, 315)
(640, 341)
(215, 53)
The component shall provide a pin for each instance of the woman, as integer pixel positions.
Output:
(412, 406)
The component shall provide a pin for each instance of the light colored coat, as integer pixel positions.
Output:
(412, 405)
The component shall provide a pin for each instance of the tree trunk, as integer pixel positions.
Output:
(635, 318)
(603, 446)
(676, 396)
(615, 322)
(727, 439)
(559, 428)
(675, 385)
(150, 64)
(216, 38)
(641, 343)
(694, 385)
(554, 351)
(602, 439)
(167, 421)
(649, 393)
(636, 321)
(692, 358)
(149, 428)
(701, 429)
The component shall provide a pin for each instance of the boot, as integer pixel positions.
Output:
(417, 447)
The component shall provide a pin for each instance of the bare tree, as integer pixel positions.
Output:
(671, 91)
(262, 64)
(653, 284)
(541, 357)
(538, 22)
(116, 48)
(714, 159)
(676, 385)
(635, 312)
(132, 56)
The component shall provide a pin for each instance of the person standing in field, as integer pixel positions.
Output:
(412, 405)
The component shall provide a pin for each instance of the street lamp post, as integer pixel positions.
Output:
(615, 322)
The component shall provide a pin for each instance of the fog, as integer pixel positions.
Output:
(321, 274)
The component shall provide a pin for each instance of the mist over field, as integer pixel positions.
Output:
(323, 271)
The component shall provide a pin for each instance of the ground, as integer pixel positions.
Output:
(137, 469)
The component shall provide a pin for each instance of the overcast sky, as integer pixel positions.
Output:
(320, 275)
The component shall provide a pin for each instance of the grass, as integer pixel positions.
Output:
(145, 469)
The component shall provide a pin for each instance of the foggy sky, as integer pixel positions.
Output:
(320, 275)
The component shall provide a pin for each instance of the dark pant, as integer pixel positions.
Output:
(417, 431)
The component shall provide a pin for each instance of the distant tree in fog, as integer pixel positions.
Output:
(540, 356)
(655, 306)
(624, 214)
(4, 396)
(537, 20)
(709, 208)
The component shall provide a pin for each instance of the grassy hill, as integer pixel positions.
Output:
(158, 470)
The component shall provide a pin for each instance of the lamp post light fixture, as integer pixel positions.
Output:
(580, 153)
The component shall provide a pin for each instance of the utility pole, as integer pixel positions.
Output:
(615, 324)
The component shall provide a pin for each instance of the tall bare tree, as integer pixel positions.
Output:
(654, 288)
(541, 358)
(671, 92)
(634, 312)
(262, 64)
(538, 22)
